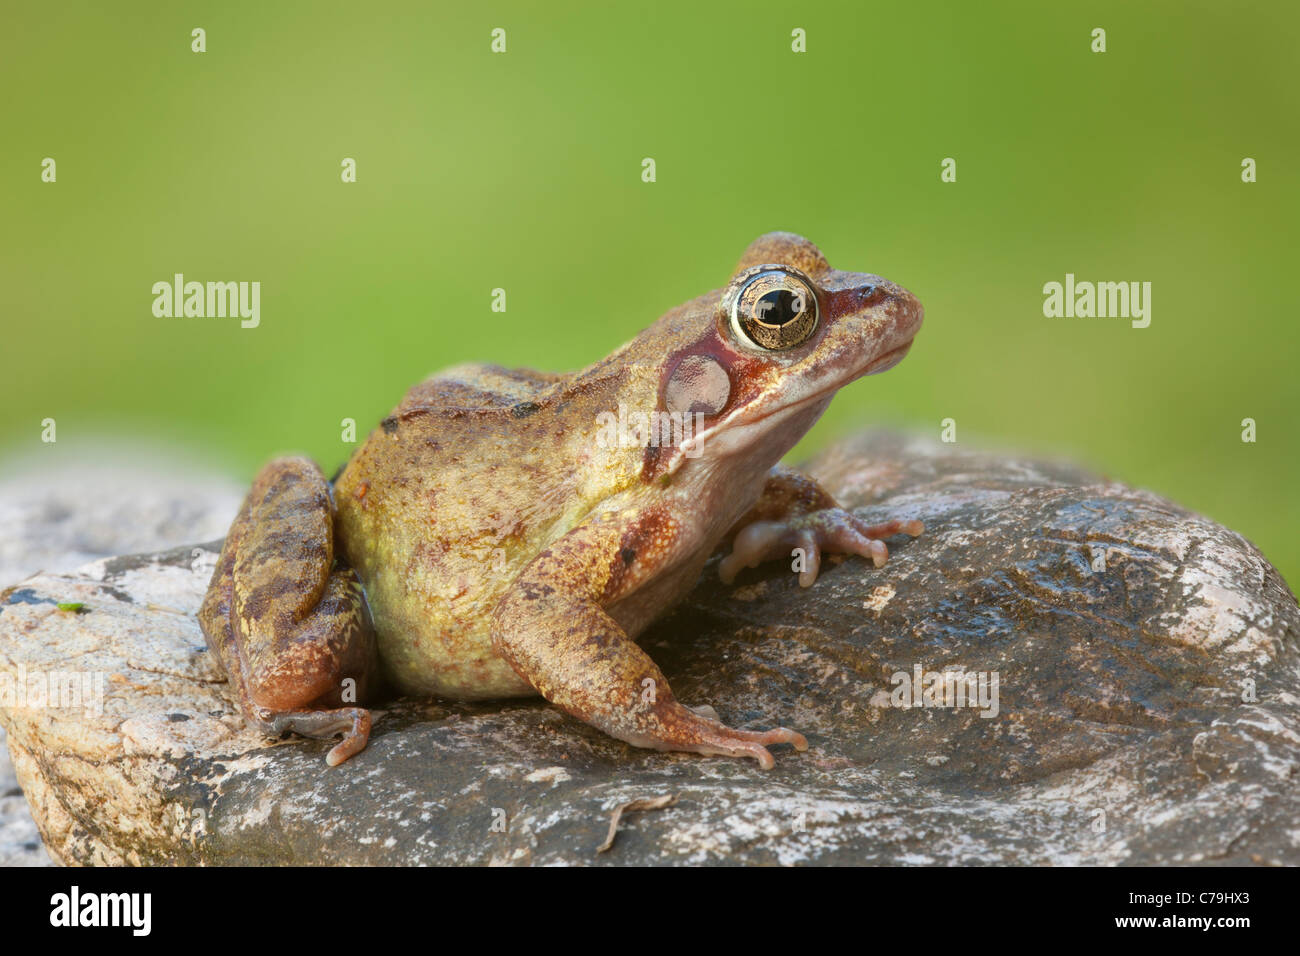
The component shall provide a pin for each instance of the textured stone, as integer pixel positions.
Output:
(1128, 636)
(60, 509)
(20, 844)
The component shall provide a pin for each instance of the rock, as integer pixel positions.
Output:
(90, 503)
(119, 498)
(1146, 707)
(20, 844)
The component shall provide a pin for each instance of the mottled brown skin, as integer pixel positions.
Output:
(509, 547)
(290, 630)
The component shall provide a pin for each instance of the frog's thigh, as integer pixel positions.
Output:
(292, 634)
(552, 629)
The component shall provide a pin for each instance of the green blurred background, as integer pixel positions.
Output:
(523, 170)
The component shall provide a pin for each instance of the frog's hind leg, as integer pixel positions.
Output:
(291, 630)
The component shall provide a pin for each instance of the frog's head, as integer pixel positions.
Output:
(755, 364)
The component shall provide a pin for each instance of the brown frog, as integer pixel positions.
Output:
(506, 532)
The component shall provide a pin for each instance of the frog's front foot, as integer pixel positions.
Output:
(832, 530)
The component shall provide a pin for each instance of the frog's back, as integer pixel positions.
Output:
(477, 385)
(471, 476)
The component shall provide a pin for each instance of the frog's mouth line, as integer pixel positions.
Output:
(889, 359)
(883, 364)
(739, 426)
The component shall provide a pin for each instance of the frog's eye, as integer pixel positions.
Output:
(775, 310)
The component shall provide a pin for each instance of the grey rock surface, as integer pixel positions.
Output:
(114, 499)
(20, 843)
(1147, 664)
(61, 510)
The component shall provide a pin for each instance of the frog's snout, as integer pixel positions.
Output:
(905, 309)
(897, 315)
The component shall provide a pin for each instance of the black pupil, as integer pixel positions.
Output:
(779, 307)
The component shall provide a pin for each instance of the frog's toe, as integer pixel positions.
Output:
(841, 534)
(831, 530)
(758, 542)
(777, 735)
(674, 726)
(836, 531)
(741, 743)
(738, 749)
(352, 722)
(354, 739)
(858, 537)
(907, 526)
(720, 740)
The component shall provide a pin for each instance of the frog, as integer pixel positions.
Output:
(506, 533)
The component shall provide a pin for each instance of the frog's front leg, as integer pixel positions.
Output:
(553, 629)
(290, 630)
(796, 512)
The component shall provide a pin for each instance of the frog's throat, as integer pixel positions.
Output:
(740, 429)
(737, 435)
